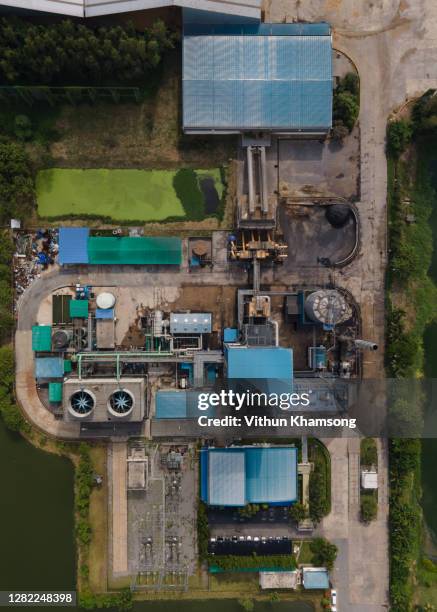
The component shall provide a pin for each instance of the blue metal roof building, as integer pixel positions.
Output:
(246, 362)
(76, 246)
(49, 367)
(249, 475)
(171, 405)
(272, 77)
(104, 313)
(73, 245)
(315, 578)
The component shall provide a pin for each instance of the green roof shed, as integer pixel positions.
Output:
(79, 309)
(134, 250)
(67, 366)
(55, 392)
(42, 338)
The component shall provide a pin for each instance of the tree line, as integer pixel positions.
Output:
(68, 53)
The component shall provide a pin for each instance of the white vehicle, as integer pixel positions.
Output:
(333, 600)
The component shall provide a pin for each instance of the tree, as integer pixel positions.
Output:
(351, 83)
(324, 553)
(7, 367)
(23, 127)
(17, 189)
(346, 108)
(399, 135)
(369, 508)
(70, 53)
(247, 604)
(298, 512)
(317, 493)
(339, 131)
(249, 510)
(405, 418)
(6, 252)
(83, 531)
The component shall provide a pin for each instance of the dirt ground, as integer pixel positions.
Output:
(219, 300)
(145, 135)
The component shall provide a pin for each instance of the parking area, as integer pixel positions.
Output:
(269, 525)
(248, 545)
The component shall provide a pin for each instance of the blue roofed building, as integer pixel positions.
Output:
(73, 245)
(249, 362)
(49, 367)
(257, 76)
(249, 475)
(315, 578)
(171, 404)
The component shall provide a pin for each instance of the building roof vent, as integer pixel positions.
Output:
(121, 403)
(82, 403)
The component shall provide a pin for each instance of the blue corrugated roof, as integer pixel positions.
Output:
(171, 405)
(315, 578)
(104, 313)
(274, 363)
(230, 334)
(49, 367)
(241, 475)
(271, 475)
(269, 76)
(73, 245)
(226, 484)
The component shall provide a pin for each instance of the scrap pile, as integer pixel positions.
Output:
(34, 252)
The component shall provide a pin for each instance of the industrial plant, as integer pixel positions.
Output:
(125, 331)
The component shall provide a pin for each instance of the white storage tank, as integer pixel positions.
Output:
(105, 300)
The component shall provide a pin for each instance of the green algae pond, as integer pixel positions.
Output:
(127, 194)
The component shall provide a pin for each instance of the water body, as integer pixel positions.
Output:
(36, 517)
(36, 529)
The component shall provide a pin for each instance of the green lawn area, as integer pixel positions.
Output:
(122, 195)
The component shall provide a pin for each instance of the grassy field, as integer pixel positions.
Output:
(97, 559)
(127, 194)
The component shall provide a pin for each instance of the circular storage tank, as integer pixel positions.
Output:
(338, 215)
(105, 300)
(61, 339)
(121, 403)
(327, 306)
(82, 403)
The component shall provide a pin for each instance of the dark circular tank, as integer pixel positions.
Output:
(338, 215)
(60, 339)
